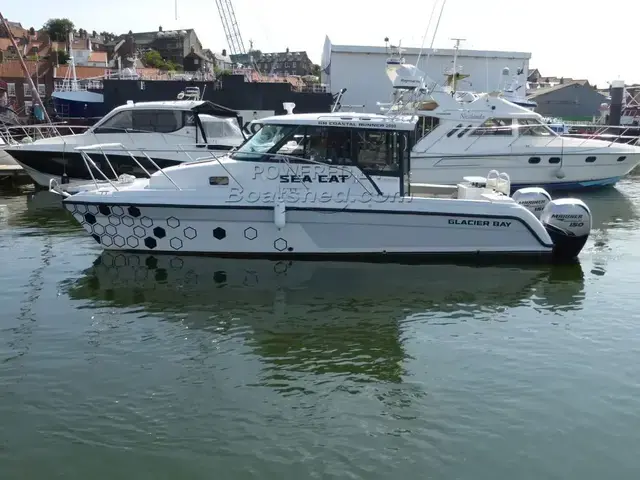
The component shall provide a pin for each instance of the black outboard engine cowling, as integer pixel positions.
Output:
(568, 223)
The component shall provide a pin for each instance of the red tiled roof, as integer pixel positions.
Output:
(12, 69)
(82, 72)
(80, 44)
(5, 43)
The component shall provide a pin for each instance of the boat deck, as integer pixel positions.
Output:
(434, 190)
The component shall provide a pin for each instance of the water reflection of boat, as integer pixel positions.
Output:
(611, 208)
(177, 282)
(43, 213)
(316, 316)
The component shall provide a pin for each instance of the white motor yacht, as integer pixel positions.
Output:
(467, 134)
(167, 132)
(326, 185)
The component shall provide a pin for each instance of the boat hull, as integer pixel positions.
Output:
(42, 167)
(572, 174)
(7, 160)
(79, 104)
(308, 233)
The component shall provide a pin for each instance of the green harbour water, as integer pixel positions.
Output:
(125, 366)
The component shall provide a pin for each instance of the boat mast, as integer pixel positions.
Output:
(34, 89)
(74, 82)
(456, 47)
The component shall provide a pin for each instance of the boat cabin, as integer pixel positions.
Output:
(378, 145)
(202, 121)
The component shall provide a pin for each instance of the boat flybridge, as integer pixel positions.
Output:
(470, 135)
(325, 185)
(166, 133)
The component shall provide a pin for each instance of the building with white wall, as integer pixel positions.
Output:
(361, 70)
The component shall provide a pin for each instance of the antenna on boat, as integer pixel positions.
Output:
(454, 73)
(416, 85)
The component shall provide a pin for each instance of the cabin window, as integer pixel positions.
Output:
(454, 130)
(425, 125)
(120, 122)
(379, 152)
(320, 144)
(462, 133)
(533, 128)
(261, 145)
(217, 127)
(160, 121)
(493, 127)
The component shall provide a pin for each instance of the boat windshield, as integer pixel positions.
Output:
(263, 141)
(534, 128)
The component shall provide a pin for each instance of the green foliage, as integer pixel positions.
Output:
(59, 28)
(153, 59)
(62, 57)
(315, 70)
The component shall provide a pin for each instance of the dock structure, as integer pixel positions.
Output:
(13, 174)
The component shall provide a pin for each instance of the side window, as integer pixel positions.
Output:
(379, 151)
(161, 121)
(118, 123)
(320, 144)
(189, 119)
(532, 128)
(493, 127)
(424, 126)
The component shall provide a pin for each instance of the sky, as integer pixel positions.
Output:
(566, 38)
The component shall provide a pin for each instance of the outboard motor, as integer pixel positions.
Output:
(534, 199)
(568, 223)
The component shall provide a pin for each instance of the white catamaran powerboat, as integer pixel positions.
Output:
(326, 185)
(165, 131)
(470, 134)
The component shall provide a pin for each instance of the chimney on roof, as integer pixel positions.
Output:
(160, 28)
(561, 80)
(224, 52)
(287, 49)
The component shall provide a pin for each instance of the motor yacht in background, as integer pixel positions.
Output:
(466, 136)
(327, 185)
(514, 89)
(168, 132)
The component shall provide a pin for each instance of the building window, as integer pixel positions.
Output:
(27, 89)
(293, 64)
(286, 64)
(28, 108)
(42, 91)
(11, 89)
